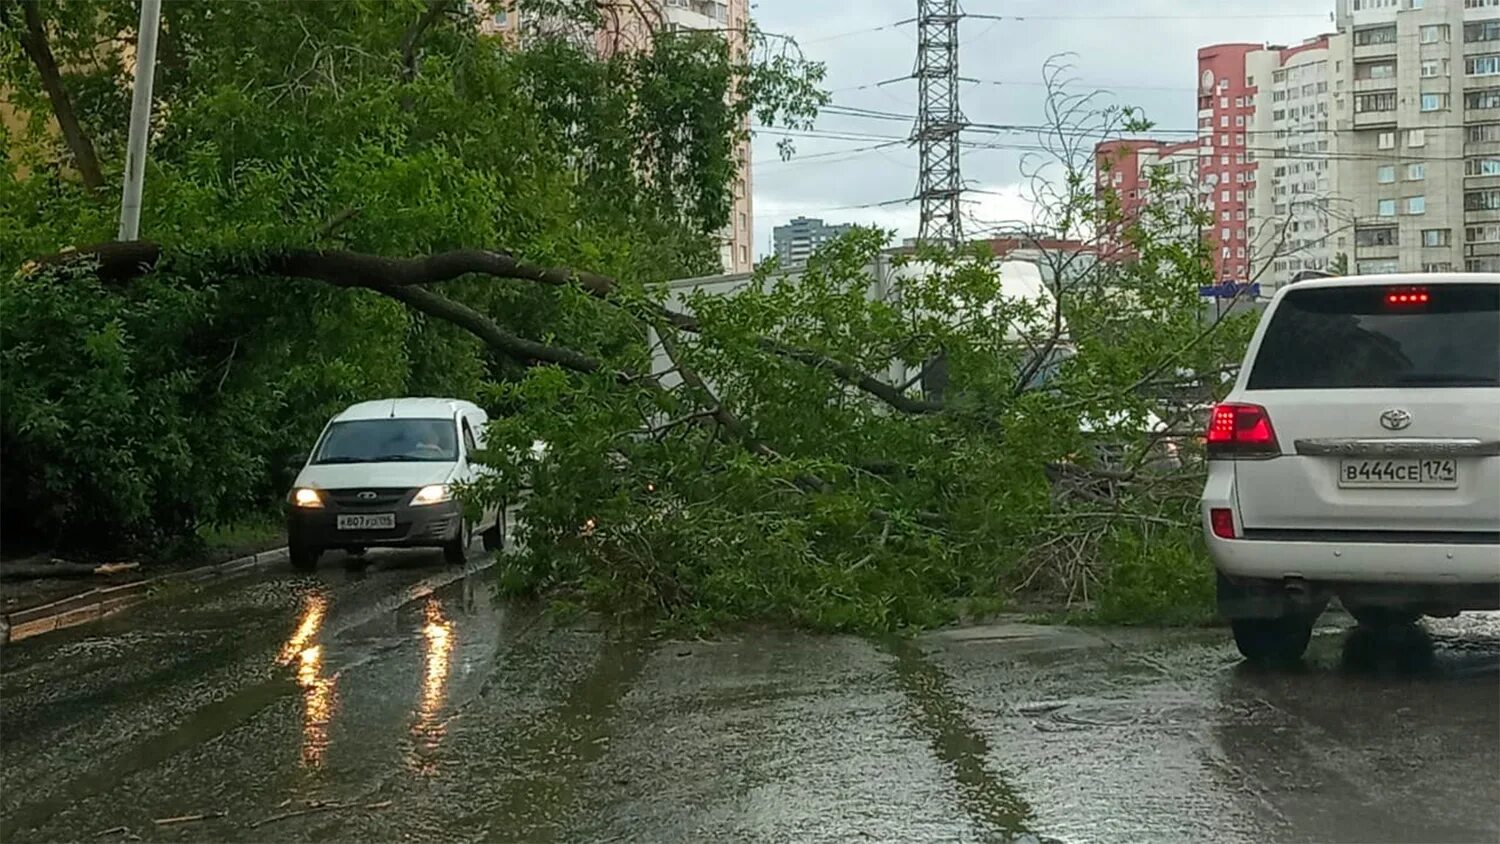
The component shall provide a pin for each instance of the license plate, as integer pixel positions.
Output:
(367, 521)
(1412, 473)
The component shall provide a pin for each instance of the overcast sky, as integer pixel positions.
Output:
(1143, 51)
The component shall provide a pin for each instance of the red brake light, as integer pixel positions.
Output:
(1221, 519)
(1241, 430)
(1401, 296)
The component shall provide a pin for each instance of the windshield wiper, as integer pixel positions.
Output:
(327, 460)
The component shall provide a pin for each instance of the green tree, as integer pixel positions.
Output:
(137, 411)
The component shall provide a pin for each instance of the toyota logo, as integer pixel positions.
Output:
(1395, 419)
(370, 496)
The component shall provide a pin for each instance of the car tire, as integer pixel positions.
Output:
(494, 538)
(303, 557)
(1273, 641)
(1382, 618)
(456, 553)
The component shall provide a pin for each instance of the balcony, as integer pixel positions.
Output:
(1373, 119)
(1365, 86)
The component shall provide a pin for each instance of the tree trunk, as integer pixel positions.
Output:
(33, 38)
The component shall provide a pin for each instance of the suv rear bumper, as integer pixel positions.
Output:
(1436, 563)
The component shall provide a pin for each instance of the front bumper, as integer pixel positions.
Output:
(425, 526)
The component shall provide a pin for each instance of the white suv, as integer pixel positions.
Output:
(1358, 455)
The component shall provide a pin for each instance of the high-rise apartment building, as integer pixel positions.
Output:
(630, 27)
(1417, 106)
(796, 241)
(1376, 147)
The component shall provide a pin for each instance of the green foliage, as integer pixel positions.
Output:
(137, 412)
(1155, 578)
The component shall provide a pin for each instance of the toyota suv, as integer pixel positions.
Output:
(1358, 456)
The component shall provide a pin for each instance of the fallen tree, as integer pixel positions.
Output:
(784, 464)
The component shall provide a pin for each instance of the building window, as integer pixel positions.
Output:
(1365, 5)
(1434, 237)
(1417, 4)
(1487, 233)
(1416, 172)
(1482, 265)
(1224, 160)
(1433, 33)
(1239, 196)
(1482, 167)
(1434, 102)
(1386, 140)
(1434, 67)
(1226, 252)
(1383, 236)
(1223, 102)
(1384, 69)
(744, 254)
(1484, 65)
(1482, 133)
(1223, 234)
(1385, 174)
(1382, 101)
(1416, 205)
(1224, 196)
(1224, 121)
(1482, 31)
(1239, 252)
(1386, 208)
(1437, 267)
(1375, 35)
(1224, 215)
(1414, 138)
(1484, 98)
(1481, 4)
(1239, 120)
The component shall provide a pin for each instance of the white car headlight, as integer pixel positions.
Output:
(307, 498)
(432, 494)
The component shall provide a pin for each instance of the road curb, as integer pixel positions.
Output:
(105, 600)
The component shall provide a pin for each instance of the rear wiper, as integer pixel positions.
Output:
(1447, 378)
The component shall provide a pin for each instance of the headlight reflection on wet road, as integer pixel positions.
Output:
(317, 690)
(429, 728)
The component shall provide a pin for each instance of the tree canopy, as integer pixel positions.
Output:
(355, 200)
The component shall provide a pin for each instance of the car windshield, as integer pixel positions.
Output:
(1353, 337)
(389, 441)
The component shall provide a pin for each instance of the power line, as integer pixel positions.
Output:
(839, 35)
(1025, 18)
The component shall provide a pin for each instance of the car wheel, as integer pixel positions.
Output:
(303, 557)
(1277, 640)
(494, 538)
(456, 553)
(1382, 618)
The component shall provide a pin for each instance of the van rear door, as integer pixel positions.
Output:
(1385, 402)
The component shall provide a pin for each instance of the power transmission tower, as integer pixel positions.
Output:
(939, 121)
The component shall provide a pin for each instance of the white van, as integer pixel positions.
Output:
(383, 474)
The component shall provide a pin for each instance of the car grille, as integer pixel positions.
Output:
(372, 497)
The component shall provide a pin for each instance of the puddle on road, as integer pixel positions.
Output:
(983, 793)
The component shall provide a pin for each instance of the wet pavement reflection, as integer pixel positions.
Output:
(407, 702)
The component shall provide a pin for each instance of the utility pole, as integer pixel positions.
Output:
(939, 122)
(140, 119)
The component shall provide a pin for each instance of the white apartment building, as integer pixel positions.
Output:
(1297, 219)
(1416, 107)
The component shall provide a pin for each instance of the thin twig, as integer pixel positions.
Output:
(204, 816)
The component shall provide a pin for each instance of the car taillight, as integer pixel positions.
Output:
(1241, 430)
(1221, 519)
(1406, 297)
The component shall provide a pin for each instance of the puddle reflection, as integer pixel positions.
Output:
(429, 728)
(317, 690)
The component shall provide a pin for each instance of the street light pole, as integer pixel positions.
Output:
(140, 119)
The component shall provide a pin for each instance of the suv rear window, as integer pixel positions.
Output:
(1352, 337)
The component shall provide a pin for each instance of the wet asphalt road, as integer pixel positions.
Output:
(406, 703)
